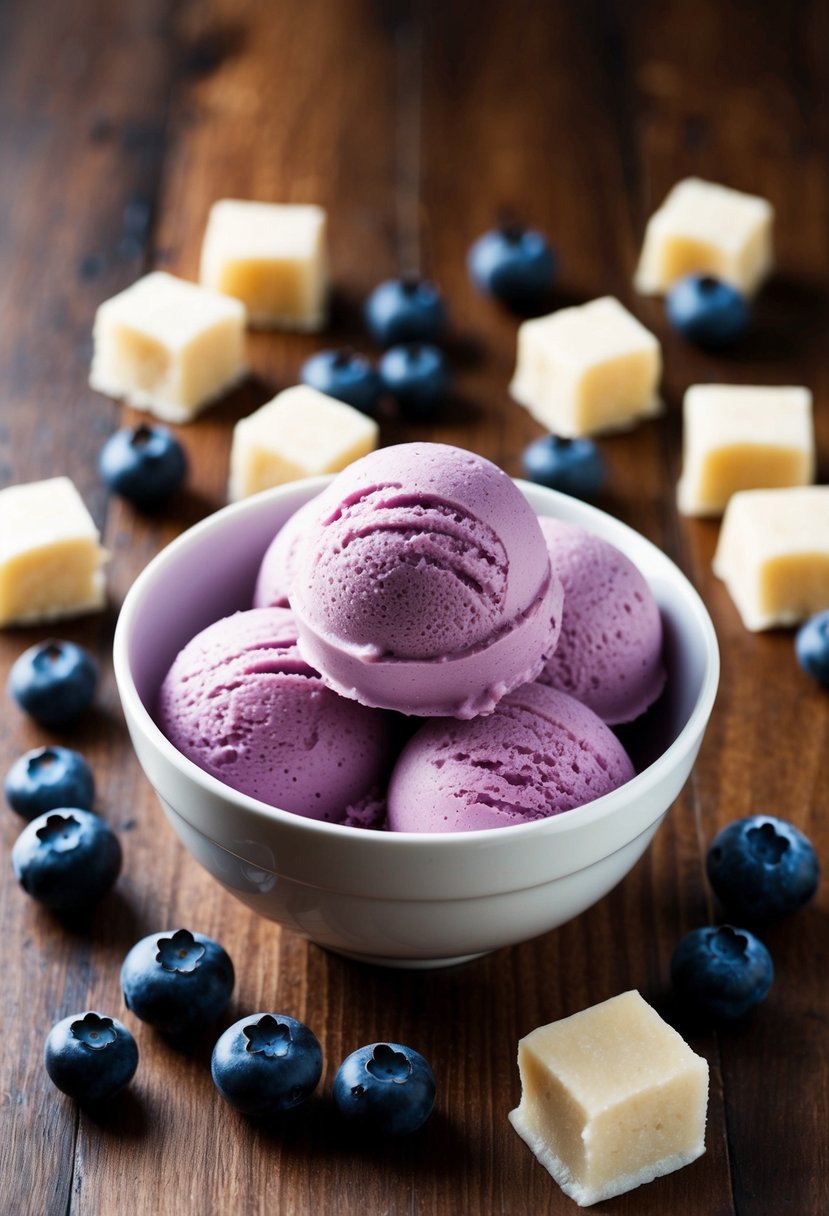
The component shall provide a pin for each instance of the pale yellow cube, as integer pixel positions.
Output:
(704, 228)
(587, 369)
(738, 437)
(51, 559)
(773, 554)
(300, 433)
(272, 257)
(168, 346)
(611, 1097)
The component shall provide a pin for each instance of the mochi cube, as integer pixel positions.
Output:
(51, 559)
(773, 554)
(738, 437)
(168, 346)
(587, 369)
(703, 228)
(300, 433)
(272, 257)
(611, 1097)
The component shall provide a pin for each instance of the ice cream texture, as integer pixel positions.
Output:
(609, 652)
(424, 584)
(539, 753)
(241, 702)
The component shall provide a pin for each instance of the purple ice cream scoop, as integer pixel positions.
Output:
(539, 753)
(275, 572)
(424, 584)
(609, 652)
(241, 703)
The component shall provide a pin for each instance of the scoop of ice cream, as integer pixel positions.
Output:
(275, 572)
(539, 753)
(609, 652)
(424, 583)
(241, 703)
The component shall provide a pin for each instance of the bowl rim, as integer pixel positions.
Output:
(578, 817)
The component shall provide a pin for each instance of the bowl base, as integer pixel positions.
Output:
(405, 964)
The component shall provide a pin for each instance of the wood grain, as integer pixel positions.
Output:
(415, 123)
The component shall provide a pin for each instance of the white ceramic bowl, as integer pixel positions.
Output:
(401, 898)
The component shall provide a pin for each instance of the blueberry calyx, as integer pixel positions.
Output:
(62, 832)
(181, 952)
(268, 1037)
(386, 1064)
(94, 1031)
(512, 230)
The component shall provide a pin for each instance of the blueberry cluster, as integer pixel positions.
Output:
(67, 857)
(406, 317)
(263, 1065)
(761, 869)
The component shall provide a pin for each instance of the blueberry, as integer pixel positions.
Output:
(416, 376)
(707, 311)
(812, 647)
(574, 466)
(721, 972)
(49, 777)
(385, 1088)
(143, 464)
(405, 310)
(345, 375)
(90, 1057)
(177, 982)
(266, 1063)
(762, 868)
(513, 263)
(54, 682)
(68, 858)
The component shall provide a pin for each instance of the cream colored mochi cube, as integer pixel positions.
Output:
(773, 554)
(587, 369)
(737, 437)
(611, 1097)
(704, 228)
(168, 346)
(272, 257)
(51, 560)
(300, 433)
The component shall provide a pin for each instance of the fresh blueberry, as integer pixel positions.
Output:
(177, 982)
(49, 777)
(812, 647)
(762, 868)
(54, 682)
(346, 375)
(90, 1057)
(707, 311)
(385, 1088)
(405, 310)
(68, 858)
(513, 263)
(143, 464)
(574, 466)
(721, 972)
(416, 376)
(266, 1063)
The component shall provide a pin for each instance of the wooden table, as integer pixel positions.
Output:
(414, 124)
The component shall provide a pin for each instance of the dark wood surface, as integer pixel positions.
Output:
(414, 124)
